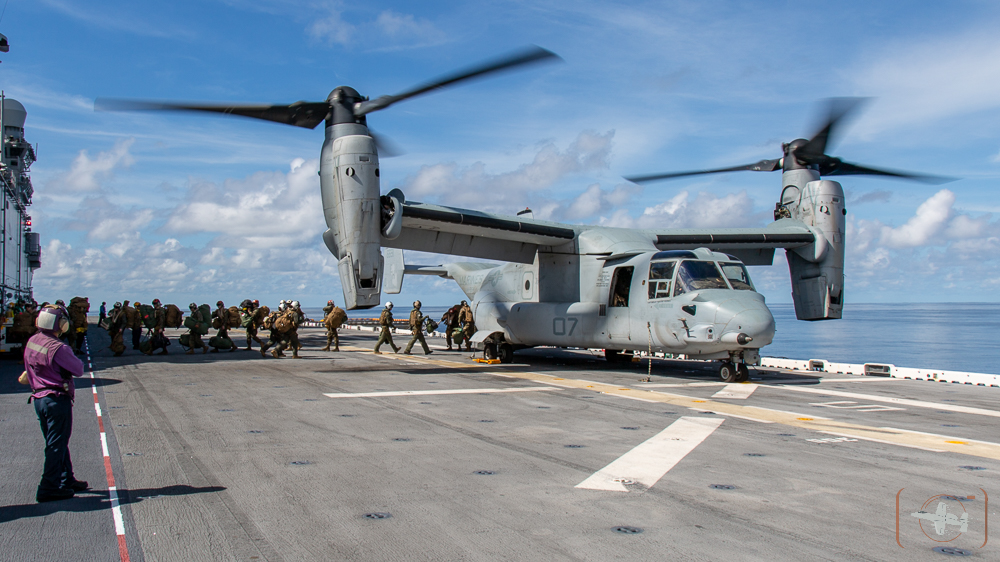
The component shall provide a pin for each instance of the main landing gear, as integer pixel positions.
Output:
(502, 351)
(730, 372)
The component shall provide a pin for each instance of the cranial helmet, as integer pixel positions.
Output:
(329, 302)
(416, 304)
(256, 302)
(117, 305)
(465, 303)
(220, 303)
(53, 318)
(192, 306)
(156, 302)
(295, 304)
(388, 305)
(282, 306)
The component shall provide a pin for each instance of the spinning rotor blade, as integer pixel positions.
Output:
(386, 147)
(816, 147)
(762, 166)
(839, 168)
(528, 56)
(300, 114)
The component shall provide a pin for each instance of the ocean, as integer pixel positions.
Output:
(948, 336)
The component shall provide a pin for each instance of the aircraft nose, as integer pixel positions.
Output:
(754, 320)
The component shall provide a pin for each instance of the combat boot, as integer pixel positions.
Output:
(337, 348)
(190, 351)
(327, 348)
(274, 353)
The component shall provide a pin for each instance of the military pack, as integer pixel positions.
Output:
(284, 322)
(146, 316)
(335, 318)
(174, 316)
(234, 317)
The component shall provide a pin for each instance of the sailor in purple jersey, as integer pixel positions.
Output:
(51, 366)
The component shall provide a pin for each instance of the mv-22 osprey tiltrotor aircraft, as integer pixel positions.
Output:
(681, 291)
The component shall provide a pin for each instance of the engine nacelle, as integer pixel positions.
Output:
(817, 270)
(349, 183)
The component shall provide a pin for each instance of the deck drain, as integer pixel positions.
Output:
(425, 402)
(347, 415)
(630, 428)
(669, 413)
(786, 435)
(624, 529)
(205, 395)
(227, 410)
(116, 407)
(484, 472)
(299, 463)
(573, 446)
(722, 487)
(487, 421)
(278, 387)
(190, 384)
(950, 425)
(754, 455)
(401, 439)
(121, 425)
(969, 467)
(543, 407)
(625, 481)
(255, 431)
(952, 551)
(310, 399)
(133, 454)
(378, 515)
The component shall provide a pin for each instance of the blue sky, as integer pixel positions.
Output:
(189, 207)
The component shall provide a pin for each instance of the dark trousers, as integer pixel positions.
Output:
(136, 337)
(55, 415)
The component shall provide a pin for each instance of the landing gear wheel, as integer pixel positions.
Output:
(728, 372)
(490, 351)
(743, 373)
(506, 353)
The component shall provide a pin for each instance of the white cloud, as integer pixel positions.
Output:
(86, 173)
(931, 218)
(406, 26)
(332, 28)
(457, 185)
(706, 210)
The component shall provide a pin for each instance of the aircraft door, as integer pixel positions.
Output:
(618, 300)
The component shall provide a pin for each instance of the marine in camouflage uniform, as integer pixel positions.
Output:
(450, 321)
(256, 314)
(274, 337)
(468, 326)
(78, 324)
(332, 337)
(116, 329)
(158, 340)
(194, 336)
(134, 322)
(385, 320)
(222, 313)
(417, 327)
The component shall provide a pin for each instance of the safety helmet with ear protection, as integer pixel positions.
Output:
(388, 305)
(416, 305)
(54, 319)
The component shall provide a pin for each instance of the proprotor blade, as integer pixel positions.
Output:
(300, 114)
(528, 56)
(762, 166)
(840, 168)
(817, 145)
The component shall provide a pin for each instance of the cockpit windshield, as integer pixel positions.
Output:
(738, 276)
(660, 274)
(697, 275)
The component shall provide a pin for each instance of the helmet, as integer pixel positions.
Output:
(388, 305)
(416, 304)
(282, 306)
(329, 302)
(295, 304)
(256, 302)
(192, 306)
(220, 303)
(60, 302)
(53, 318)
(465, 303)
(156, 302)
(117, 305)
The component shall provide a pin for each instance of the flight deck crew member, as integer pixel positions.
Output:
(50, 366)
(385, 320)
(417, 327)
(103, 313)
(450, 321)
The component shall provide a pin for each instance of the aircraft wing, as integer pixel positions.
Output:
(753, 246)
(448, 230)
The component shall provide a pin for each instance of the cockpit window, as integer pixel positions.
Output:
(697, 275)
(738, 276)
(660, 274)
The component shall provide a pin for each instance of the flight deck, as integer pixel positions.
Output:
(556, 456)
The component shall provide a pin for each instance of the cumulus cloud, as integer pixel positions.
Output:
(931, 218)
(332, 28)
(408, 27)
(704, 211)
(86, 173)
(466, 185)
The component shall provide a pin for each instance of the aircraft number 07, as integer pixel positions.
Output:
(559, 326)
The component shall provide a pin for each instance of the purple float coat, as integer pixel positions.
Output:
(51, 365)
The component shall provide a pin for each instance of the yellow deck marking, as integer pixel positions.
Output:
(891, 436)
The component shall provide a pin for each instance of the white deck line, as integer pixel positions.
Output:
(430, 392)
(892, 400)
(736, 391)
(651, 459)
